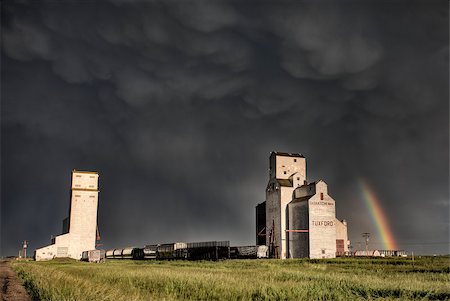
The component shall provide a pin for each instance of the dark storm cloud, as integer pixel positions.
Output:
(342, 42)
(178, 104)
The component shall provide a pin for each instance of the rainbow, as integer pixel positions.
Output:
(378, 216)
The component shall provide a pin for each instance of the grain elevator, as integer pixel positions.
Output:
(79, 228)
(298, 219)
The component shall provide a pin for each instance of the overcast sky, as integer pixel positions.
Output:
(178, 104)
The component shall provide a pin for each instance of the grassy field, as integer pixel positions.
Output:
(336, 279)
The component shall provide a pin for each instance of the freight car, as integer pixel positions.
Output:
(249, 252)
(176, 250)
(109, 253)
(93, 256)
(150, 252)
(127, 253)
(209, 250)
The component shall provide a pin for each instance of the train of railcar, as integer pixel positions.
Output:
(212, 250)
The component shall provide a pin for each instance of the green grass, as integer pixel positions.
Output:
(336, 279)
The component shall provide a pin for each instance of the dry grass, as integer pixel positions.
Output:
(337, 279)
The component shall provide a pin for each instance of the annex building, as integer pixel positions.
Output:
(298, 219)
(80, 227)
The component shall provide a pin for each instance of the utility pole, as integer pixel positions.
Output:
(366, 236)
(25, 248)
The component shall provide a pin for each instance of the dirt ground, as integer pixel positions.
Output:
(11, 288)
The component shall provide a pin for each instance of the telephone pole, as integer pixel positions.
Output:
(366, 236)
(25, 245)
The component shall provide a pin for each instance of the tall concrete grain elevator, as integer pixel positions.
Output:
(80, 227)
(298, 219)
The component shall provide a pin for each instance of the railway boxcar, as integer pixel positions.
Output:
(165, 251)
(248, 252)
(93, 256)
(210, 250)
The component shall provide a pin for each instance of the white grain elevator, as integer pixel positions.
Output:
(298, 219)
(80, 227)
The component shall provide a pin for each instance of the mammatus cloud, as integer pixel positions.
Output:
(24, 41)
(206, 17)
(325, 41)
